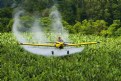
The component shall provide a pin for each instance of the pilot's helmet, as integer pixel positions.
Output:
(59, 37)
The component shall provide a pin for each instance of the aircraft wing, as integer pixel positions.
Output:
(83, 43)
(30, 44)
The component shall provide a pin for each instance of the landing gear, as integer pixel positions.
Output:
(67, 52)
(52, 52)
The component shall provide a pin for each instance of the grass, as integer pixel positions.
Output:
(96, 62)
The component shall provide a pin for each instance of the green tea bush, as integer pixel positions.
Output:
(97, 62)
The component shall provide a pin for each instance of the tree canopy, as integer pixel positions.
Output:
(71, 10)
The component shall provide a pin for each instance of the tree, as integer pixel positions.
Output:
(118, 32)
(5, 17)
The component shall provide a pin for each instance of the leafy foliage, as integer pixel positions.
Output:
(72, 10)
(86, 17)
(96, 62)
(5, 17)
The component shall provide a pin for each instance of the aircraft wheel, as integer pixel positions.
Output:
(52, 52)
(67, 52)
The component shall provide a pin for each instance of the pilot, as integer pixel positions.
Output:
(59, 39)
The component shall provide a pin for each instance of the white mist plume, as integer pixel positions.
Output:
(57, 26)
(17, 24)
(38, 36)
